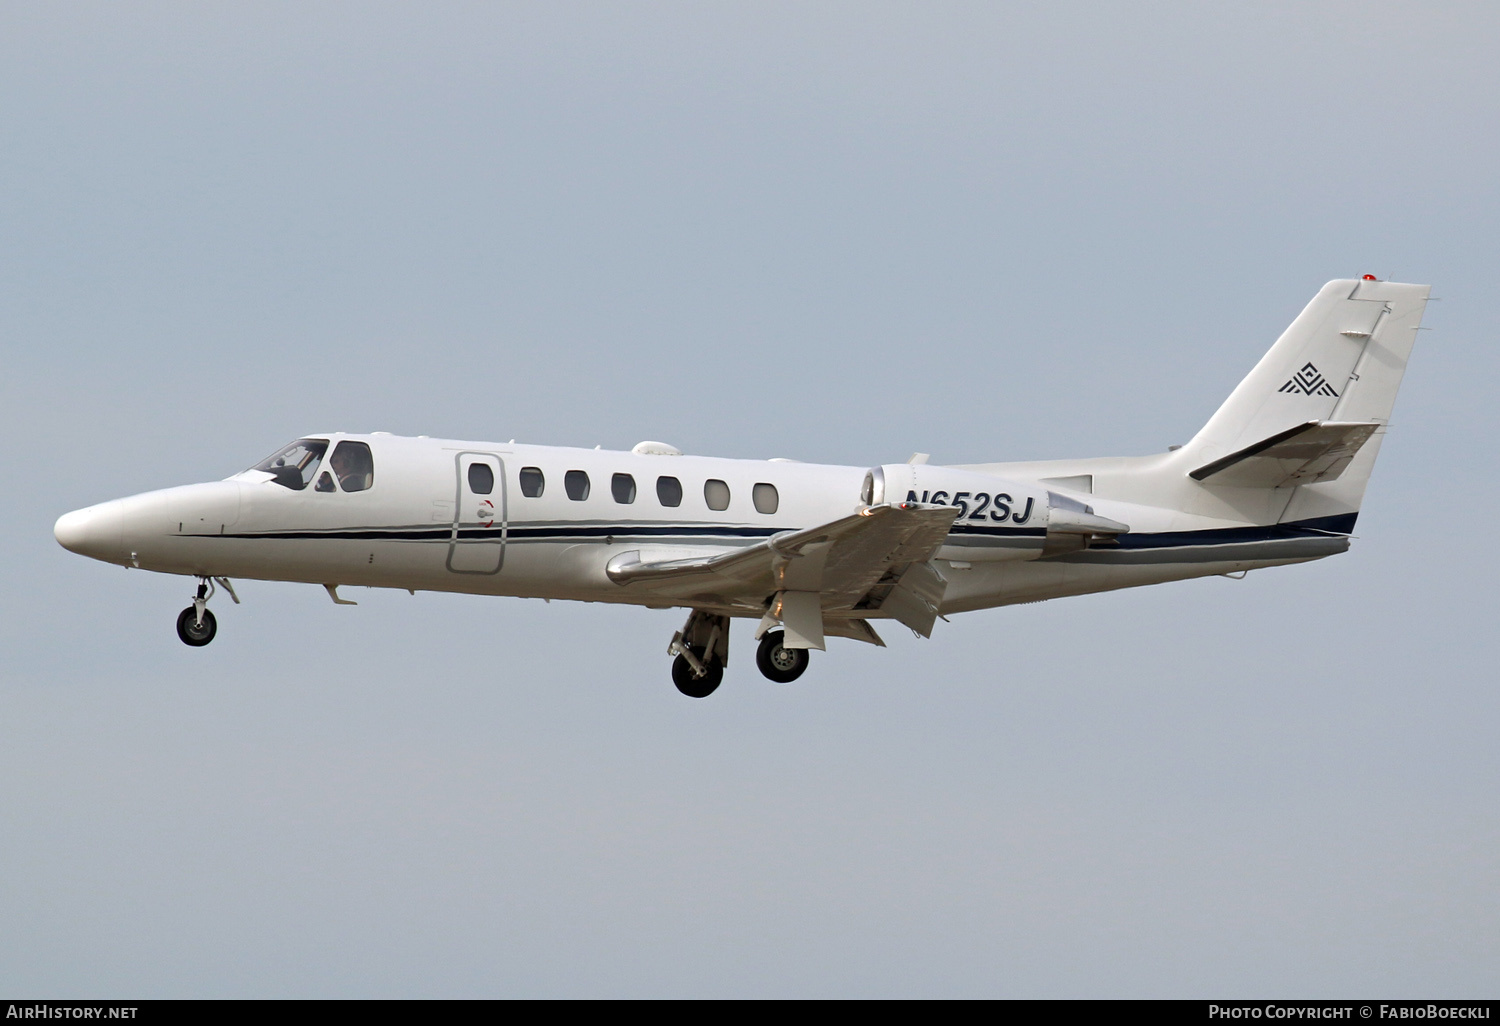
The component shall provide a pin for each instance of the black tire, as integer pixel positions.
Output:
(189, 630)
(696, 687)
(783, 665)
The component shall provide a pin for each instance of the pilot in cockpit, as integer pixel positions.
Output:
(351, 464)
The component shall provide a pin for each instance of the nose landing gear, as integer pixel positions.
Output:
(196, 625)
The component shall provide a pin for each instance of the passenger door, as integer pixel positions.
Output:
(477, 545)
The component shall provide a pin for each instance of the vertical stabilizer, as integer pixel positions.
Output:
(1340, 361)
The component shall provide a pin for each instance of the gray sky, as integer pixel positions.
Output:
(836, 232)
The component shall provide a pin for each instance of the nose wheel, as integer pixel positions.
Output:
(777, 662)
(196, 625)
(196, 629)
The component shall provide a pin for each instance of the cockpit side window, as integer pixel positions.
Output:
(294, 466)
(353, 465)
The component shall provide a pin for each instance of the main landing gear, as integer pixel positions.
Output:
(777, 663)
(196, 625)
(701, 649)
(700, 681)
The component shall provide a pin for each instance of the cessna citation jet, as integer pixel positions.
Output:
(1275, 477)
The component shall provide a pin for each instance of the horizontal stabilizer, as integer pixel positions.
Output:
(1310, 452)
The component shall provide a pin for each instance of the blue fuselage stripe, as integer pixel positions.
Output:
(1318, 527)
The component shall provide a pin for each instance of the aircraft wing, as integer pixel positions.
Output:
(1314, 451)
(873, 560)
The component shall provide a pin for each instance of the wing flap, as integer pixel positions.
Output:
(849, 627)
(916, 598)
(891, 538)
(866, 561)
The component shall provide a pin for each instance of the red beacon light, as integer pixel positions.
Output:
(1370, 277)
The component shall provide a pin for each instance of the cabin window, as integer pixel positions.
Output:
(353, 465)
(481, 478)
(716, 494)
(623, 487)
(325, 482)
(532, 482)
(766, 499)
(669, 491)
(294, 466)
(576, 484)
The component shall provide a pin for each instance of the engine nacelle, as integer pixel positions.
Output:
(998, 519)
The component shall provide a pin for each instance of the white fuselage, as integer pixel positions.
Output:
(420, 524)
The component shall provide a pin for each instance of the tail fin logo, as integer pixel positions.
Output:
(1309, 381)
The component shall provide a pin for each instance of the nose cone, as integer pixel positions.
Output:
(93, 532)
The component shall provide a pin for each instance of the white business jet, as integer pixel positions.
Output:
(808, 551)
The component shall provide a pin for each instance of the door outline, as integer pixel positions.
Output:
(458, 511)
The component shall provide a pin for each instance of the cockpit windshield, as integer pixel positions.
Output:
(294, 466)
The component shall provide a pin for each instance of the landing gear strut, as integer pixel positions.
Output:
(687, 680)
(778, 663)
(702, 649)
(196, 625)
